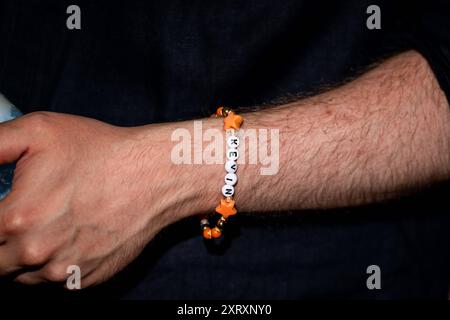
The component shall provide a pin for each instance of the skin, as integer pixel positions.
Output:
(91, 194)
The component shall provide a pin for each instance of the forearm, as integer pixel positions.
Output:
(384, 134)
(381, 135)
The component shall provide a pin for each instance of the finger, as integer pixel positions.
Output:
(100, 274)
(55, 271)
(30, 278)
(42, 248)
(92, 272)
(25, 254)
(13, 144)
(19, 210)
(11, 221)
(8, 260)
(16, 214)
(31, 242)
(29, 237)
(37, 232)
(14, 140)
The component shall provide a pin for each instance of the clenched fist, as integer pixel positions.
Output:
(87, 193)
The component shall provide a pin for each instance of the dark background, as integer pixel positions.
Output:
(139, 62)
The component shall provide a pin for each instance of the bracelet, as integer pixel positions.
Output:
(226, 208)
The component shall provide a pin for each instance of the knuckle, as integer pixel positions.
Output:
(56, 273)
(14, 222)
(39, 121)
(32, 254)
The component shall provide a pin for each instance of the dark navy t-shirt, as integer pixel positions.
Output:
(140, 62)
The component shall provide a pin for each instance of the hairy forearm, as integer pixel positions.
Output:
(381, 135)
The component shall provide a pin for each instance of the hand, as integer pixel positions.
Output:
(84, 193)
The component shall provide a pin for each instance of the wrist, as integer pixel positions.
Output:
(180, 189)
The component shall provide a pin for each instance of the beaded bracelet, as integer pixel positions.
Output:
(226, 207)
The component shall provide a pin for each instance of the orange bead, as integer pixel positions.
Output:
(216, 232)
(207, 233)
(233, 121)
(226, 208)
(223, 111)
(221, 222)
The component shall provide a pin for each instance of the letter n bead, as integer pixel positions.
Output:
(227, 190)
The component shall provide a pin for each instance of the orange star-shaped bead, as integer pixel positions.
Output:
(226, 208)
(233, 121)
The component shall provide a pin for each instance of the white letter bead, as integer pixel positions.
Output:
(233, 142)
(227, 191)
(232, 154)
(230, 179)
(230, 166)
